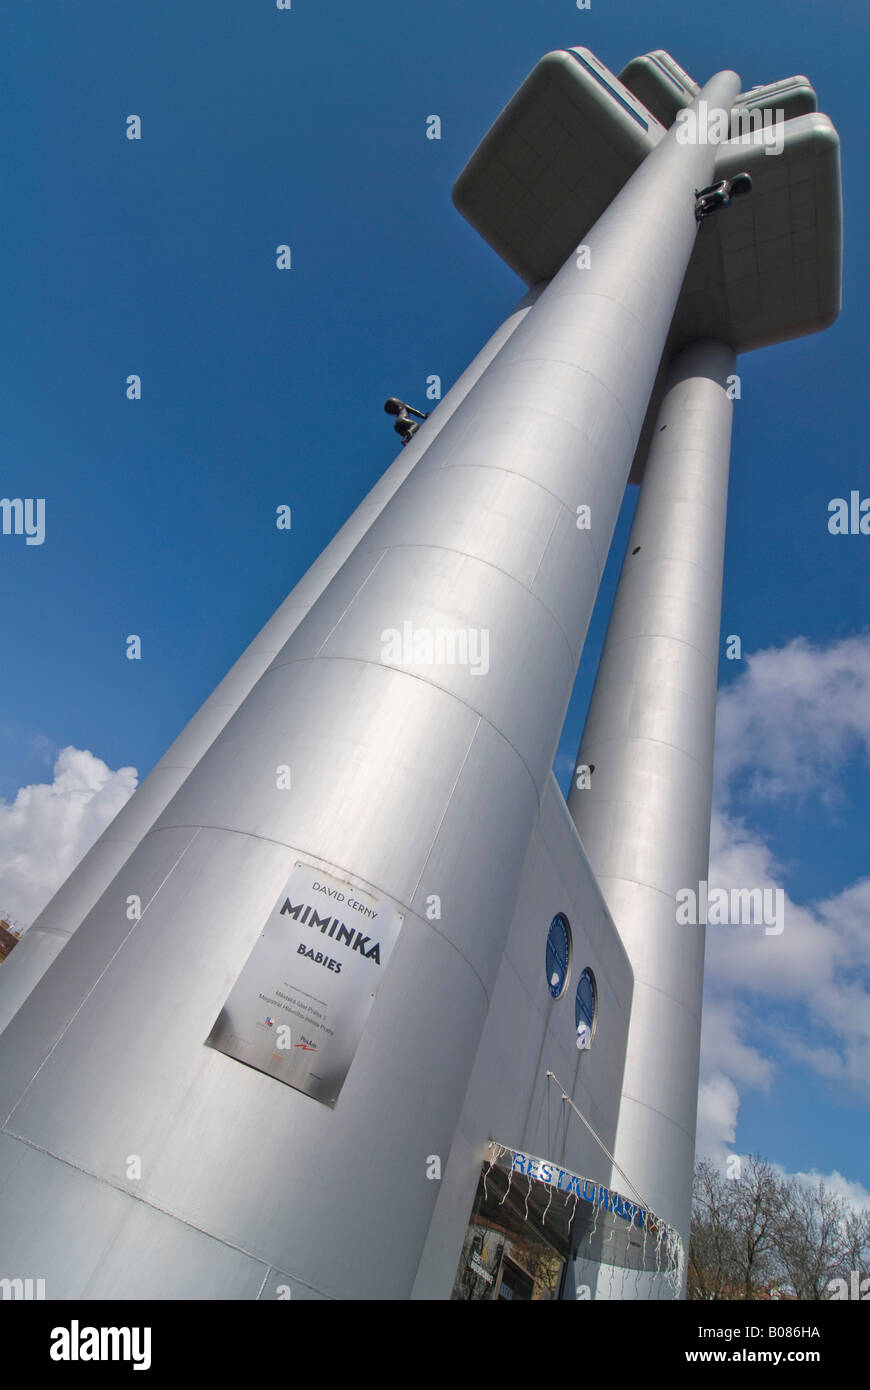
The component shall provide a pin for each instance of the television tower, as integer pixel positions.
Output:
(263, 1037)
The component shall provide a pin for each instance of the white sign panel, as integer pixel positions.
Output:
(298, 1008)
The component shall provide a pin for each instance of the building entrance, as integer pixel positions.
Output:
(504, 1256)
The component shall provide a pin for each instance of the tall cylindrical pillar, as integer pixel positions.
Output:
(74, 899)
(644, 817)
(411, 720)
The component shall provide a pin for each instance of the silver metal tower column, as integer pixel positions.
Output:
(75, 897)
(645, 818)
(411, 779)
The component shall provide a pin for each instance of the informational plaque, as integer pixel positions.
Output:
(298, 1008)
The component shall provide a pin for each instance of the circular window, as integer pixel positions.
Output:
(558, 955)
(585, 1009)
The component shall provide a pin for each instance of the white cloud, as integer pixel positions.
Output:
(785, 728)
(48, 828)
(718, 1104)
(793, 718)
(812, 981)
(853, 1193)
(804, 957)
(723, 1020)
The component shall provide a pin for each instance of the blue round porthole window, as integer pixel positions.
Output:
(585, 1009)
(558, 955)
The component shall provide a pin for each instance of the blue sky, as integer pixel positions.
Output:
(157, 257)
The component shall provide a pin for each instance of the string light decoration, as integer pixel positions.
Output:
(596, 1223)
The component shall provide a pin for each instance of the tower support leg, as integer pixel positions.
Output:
(645, 817)
(67, 909)
(412, 719)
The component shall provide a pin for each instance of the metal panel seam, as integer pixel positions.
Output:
(164, 1211)
(412, 675)
(351, 601)
(479, 560)
(70, 1021)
